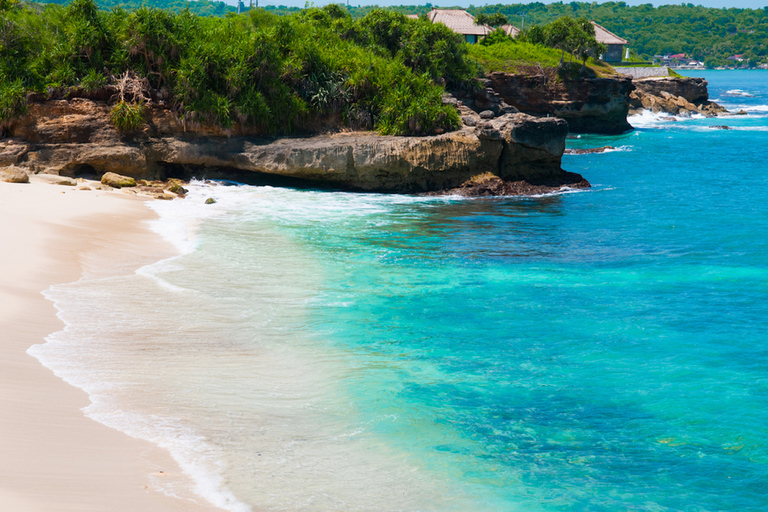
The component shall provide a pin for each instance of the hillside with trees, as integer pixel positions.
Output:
(280, 74)
(705, 34)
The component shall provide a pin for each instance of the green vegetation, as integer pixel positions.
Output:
(523, 57)
(274, 73)
(127, 116)
(576, 36)
(492, 20)
(706, 34)
(544, 47)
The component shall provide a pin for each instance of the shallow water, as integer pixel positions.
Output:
(599, 350)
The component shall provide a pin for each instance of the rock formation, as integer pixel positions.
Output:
(13, 174)
(586, 151)
(673, 95)
(590, 105)
(75, 138)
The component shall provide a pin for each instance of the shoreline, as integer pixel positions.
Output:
(53, 457)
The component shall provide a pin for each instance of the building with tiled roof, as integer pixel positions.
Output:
(461, 22)
(614, 43)
(510, 30)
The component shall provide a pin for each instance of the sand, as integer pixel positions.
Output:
(52, 457)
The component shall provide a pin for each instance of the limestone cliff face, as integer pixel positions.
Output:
(673, 95)
(590, 105)
(694, 90)
(75, 137)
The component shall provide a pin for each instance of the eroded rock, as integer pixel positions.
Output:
(673, 95)
(13, 174)
(54, 179)
(512, 146)
(585, 151)
(590, 105)
(117, 180)
(490, 185)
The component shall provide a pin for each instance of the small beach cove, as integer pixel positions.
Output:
(599, 349)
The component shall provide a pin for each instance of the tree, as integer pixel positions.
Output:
(492, 20)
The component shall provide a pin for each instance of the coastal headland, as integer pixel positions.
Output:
(503, 134)
(75, 137)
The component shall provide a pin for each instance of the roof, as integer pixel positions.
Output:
(459, 21)
(606, 37)
(412, 16)
(510, 30)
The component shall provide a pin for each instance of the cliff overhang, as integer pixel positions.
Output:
(75, 137)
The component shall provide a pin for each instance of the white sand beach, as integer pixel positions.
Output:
(52, 457)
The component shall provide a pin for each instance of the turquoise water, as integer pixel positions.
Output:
(595, 350)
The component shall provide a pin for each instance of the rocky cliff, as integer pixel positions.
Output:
(74, 137)
(673, 95)
(693, 90)
(589, 105)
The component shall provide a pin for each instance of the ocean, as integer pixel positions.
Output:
(593, 350)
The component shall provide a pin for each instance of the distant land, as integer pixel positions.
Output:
(708, 35)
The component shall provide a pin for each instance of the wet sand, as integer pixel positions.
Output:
(52, 457)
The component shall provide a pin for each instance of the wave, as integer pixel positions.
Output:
(748, 108)
(739, 92)
(648, 119)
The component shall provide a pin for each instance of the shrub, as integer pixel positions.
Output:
(127, 116)
(13, 101)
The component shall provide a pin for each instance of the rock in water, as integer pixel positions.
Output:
(117, 180)
(210, 200)
(490, 185)
(13, 174)
(585, 151)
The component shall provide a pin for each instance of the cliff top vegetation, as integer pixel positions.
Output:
(277, 73)
(706, 34)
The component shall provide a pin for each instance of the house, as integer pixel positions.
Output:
(613, 43)
(461, 22)
(510, 30)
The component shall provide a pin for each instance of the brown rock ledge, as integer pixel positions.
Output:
(74, 138)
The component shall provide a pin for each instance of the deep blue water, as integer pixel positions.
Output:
(605, 350)
(600, 350)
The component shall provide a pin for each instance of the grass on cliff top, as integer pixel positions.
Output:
(520, 57)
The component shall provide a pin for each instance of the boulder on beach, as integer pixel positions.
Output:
(13, 174)
(117, 180)
(55, 179)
